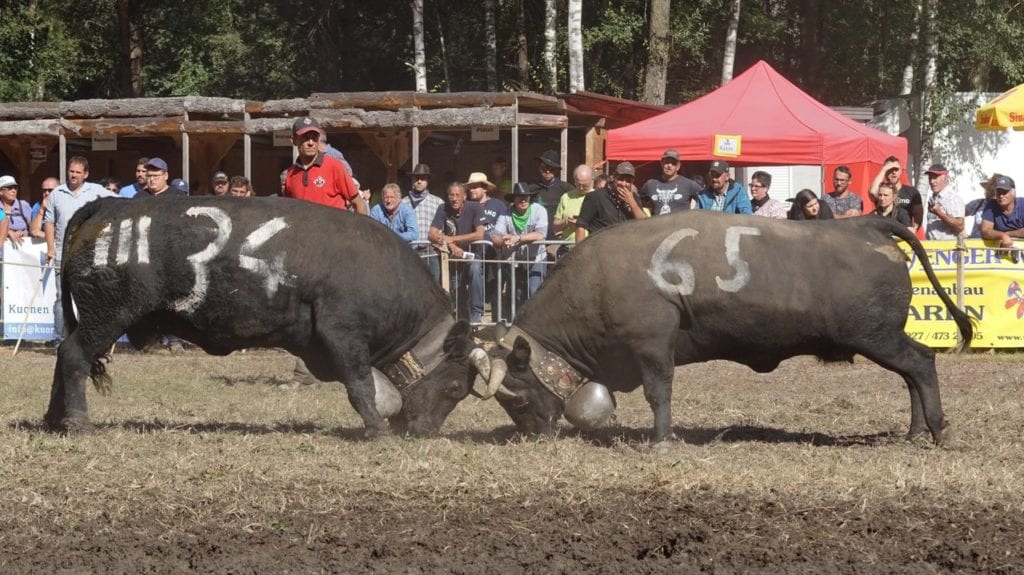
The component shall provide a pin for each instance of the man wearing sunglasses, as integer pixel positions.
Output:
(1003, 218)
(35, 227)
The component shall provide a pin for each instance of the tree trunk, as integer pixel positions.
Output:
(657, 56)
(810, 46)
(491, 37)
(522, 55)
(575, 27)
(130, 48)
(729, 59)
(908, 68)
(930, 107)
(444, 49)
(420, 58)
(550, 65)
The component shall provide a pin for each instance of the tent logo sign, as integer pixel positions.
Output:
(728, 146)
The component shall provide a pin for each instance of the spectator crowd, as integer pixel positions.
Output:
(528, 224)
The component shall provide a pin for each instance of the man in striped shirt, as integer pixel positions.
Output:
(425, 205)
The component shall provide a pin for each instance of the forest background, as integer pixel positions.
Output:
(660, 51)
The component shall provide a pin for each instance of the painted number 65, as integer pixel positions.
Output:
(677, 278)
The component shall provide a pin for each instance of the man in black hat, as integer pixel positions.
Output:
(425, 206)
(550, 188)
(608, 206)
(945, 217)
(513, 235)
(669, 192)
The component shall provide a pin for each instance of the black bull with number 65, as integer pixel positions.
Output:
(339, 290)
(634, 301)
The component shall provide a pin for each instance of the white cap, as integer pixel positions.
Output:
(8, 182)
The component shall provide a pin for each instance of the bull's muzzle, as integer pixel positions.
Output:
(492, 372)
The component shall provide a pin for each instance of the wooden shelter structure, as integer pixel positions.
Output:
(382, 133)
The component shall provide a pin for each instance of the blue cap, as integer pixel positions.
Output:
(180, 185)
(156, 164)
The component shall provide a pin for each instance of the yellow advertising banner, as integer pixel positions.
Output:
(992, 295)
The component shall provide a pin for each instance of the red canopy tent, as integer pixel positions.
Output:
(761, 118)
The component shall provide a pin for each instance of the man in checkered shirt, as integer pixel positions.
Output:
(425, 205)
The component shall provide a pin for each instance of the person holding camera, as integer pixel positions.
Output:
(945, 218)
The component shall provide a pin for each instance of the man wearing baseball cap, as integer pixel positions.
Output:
(220, 183)
(723, 193)
(316, 177)
(945, 217)
(1003, 218)
(608, 206)
(669, 192)
(158, 183)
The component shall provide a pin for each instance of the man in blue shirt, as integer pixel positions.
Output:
(139, 184)
(64, 201)
(1003, 218)
(723, 193)
(396, 214)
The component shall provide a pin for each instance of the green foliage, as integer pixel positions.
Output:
(53, 50)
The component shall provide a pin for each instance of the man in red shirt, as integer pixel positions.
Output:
(321, 179)
(317, 178)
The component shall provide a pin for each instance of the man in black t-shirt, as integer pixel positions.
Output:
(550, 188)
(907, 197)
(669, 192)
(457, 224)
(608, 206)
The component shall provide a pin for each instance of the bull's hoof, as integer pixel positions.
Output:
(662, 448)
(74, 425)
(377, 433)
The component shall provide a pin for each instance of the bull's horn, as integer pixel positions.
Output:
(494, 382)
(481, 361)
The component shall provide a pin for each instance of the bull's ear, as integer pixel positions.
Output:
(521, 351)
(458, 342)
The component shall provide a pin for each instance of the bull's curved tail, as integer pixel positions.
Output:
(963, 322)
(98, 370)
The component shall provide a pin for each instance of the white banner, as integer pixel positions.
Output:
(29, 290)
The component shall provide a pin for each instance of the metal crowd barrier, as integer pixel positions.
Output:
(497, 278)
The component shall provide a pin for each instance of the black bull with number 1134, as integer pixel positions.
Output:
(339, 290)
(635, 300)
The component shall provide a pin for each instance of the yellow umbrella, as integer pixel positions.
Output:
(1006, 111)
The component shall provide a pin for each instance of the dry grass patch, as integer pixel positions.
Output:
(202, 463)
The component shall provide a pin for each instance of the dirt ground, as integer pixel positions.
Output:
(213, 469)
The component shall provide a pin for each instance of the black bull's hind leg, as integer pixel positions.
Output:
(68, 410)
(915, 362)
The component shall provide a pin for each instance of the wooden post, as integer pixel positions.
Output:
(415, 146)
(247, 152)
(63, 158)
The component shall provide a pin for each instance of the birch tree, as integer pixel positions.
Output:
(657, 56)
(929, 110)
(729, 59)
(522, 54)
(491, 38)
(420, 64)
(550, 65)
(576, 46)
(908, 68)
